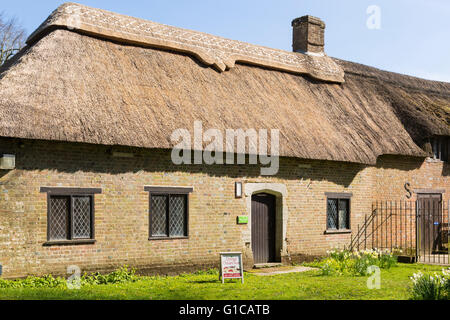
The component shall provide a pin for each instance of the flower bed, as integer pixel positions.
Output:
(357, 263)
(431, 287)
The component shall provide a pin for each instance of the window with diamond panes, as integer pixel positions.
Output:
(81, 217)
(168, 215)
(159, 216)
(177, 215)
(59, 218)
(338, 214)
(70, 218)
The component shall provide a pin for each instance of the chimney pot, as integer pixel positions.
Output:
(308, 35)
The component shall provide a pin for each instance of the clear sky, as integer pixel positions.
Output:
(413, 38)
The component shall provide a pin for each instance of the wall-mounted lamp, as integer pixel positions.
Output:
(7, 161)
(238, 189)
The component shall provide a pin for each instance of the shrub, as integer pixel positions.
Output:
(431, 287)
(121, 275)
(47, 281)
(446, 274)
(345, 262)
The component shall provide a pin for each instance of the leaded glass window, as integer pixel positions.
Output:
(338, 214)
(168, 215)
(81, 217)
(59, 218)
(70, 217)
(177, 215)
(159, 215)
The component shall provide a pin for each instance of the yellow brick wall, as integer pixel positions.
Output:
(121, 210)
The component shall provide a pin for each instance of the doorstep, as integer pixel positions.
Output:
(267, 265)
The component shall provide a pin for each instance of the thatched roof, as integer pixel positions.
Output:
(68, 85)
(423, 106)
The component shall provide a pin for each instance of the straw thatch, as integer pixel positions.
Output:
(72, 87)
(421, 105)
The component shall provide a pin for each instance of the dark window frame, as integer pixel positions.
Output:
(169, 191)
(339, 197)
(71, 193)
(440, 146)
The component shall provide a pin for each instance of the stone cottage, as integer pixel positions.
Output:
(88, 108)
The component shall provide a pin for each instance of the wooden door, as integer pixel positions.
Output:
(430, 222)
(263, 227)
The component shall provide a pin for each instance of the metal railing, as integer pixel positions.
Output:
(415, 229)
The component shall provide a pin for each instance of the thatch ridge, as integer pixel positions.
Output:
(211, 50)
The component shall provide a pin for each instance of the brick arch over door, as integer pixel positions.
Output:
(282, 214)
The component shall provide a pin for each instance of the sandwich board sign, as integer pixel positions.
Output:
(231, 266)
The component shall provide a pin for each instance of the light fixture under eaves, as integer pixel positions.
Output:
(238, 189)
(7, 162)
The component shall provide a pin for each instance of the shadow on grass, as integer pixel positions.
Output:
(204, 281)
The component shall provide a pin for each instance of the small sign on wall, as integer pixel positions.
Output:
(231, 266)
(408, 190)
(242, 219)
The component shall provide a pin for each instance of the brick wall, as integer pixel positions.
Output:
(121, 210)
(391, 175)
(392, 172)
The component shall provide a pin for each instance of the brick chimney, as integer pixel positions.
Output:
(309, 34)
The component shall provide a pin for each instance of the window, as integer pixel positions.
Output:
(168, 212)
(440, 147)
(70, 214)
(338, 211)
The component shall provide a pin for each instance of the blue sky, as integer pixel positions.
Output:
(414, 37)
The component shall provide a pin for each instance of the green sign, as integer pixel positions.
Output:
(242, 219)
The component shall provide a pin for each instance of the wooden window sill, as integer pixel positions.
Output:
(69, 242)
(341, 231)
(167, 238)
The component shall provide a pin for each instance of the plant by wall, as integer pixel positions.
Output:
(121, 275)
(431, 287)
(356, 263)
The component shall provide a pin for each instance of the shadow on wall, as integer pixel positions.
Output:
(3, 173)
(403, 163)
(78, 157)
(406, 163)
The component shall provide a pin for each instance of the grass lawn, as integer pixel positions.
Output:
(395, 284)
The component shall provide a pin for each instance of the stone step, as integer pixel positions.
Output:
(267, 265)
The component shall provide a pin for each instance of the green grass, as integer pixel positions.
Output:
(395, 284)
